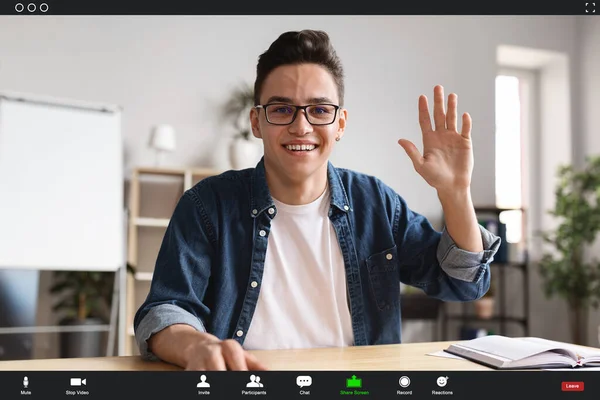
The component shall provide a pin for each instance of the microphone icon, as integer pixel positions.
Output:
(25, 382)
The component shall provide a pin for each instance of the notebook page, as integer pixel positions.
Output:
(546, 360)
(585, 353)
(505, 347)
(485, 354)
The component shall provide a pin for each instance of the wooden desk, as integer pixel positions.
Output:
(411, 357)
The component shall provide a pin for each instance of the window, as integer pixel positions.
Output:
(513, 94)
(508, 142)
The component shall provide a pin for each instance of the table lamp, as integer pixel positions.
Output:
(162, 140)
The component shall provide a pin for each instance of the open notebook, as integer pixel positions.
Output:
(503, 352)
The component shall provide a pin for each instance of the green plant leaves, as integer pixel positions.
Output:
(565, 271)
(237, 107)
(82, 293)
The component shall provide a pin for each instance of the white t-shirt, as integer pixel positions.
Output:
(303, 297)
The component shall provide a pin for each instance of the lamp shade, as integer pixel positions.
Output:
(163, 138)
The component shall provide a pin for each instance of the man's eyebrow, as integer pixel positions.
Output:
(318, 100)
(314, 100)
(279, 99)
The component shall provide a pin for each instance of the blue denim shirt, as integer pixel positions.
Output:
(210, 265)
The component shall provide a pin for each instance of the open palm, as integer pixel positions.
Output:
(447, 160)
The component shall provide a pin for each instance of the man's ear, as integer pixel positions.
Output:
(342, 122)
(254, 123)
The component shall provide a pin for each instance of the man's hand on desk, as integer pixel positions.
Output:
(184, 346)
(219, 355)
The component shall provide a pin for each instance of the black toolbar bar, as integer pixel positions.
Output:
(307, 385)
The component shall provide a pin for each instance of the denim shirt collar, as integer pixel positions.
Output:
(261, 200)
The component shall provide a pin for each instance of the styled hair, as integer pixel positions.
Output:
(303, 47)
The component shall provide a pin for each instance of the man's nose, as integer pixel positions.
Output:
(301, 126)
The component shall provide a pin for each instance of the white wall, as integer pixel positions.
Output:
(589, 82)
(178, 69)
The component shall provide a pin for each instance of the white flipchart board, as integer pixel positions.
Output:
(61, 185)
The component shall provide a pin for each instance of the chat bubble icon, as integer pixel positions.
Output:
(303, 381)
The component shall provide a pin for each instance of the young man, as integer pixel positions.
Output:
(297, 253)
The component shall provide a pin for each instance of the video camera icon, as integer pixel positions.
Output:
(78, 382)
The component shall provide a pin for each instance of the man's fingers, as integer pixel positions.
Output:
(439, 115)
(451, 114)
(234, 355)
(424, 119)
(214, 360)
(412, 151)
(466, 126)
(253, 363)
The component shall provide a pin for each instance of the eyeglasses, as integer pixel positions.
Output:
(285, 114)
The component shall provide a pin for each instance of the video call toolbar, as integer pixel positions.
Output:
(308, 385)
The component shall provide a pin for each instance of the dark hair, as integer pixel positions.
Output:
(306, 46)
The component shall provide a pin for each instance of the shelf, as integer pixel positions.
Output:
(473, 318)
(500, 267)
(53, 329)
(172, 177)
(152, 222)
(178, 171)
(143, 276)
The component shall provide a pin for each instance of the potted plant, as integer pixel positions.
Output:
(243, 151)
(566, 271)
(484, 306)
(84, 298)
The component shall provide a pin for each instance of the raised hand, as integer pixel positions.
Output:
(447, 160)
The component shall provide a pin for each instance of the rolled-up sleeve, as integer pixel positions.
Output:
(465, 265)
(159, 318)
(181, 275)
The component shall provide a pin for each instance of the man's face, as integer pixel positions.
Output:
(298, 85)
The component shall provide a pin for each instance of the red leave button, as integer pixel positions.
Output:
(572, 386)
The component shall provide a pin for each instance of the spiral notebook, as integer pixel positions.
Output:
(501, 352)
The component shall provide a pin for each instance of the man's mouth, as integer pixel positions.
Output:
(300, 147)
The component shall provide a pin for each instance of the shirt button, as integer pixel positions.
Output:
(254, 284)
(240, 333)
(271, 210)
(255, 211)
(346, 208)
(388, 256)
(262, 233)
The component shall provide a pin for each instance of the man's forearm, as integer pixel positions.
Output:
(461, 221)
(172, 343)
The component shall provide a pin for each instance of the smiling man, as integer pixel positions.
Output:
(297, 253)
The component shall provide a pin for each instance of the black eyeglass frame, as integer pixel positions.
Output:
(298, 108)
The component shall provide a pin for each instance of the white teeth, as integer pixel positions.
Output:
(300, 147)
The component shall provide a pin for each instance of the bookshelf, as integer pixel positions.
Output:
(140, 225)
(502, 263)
